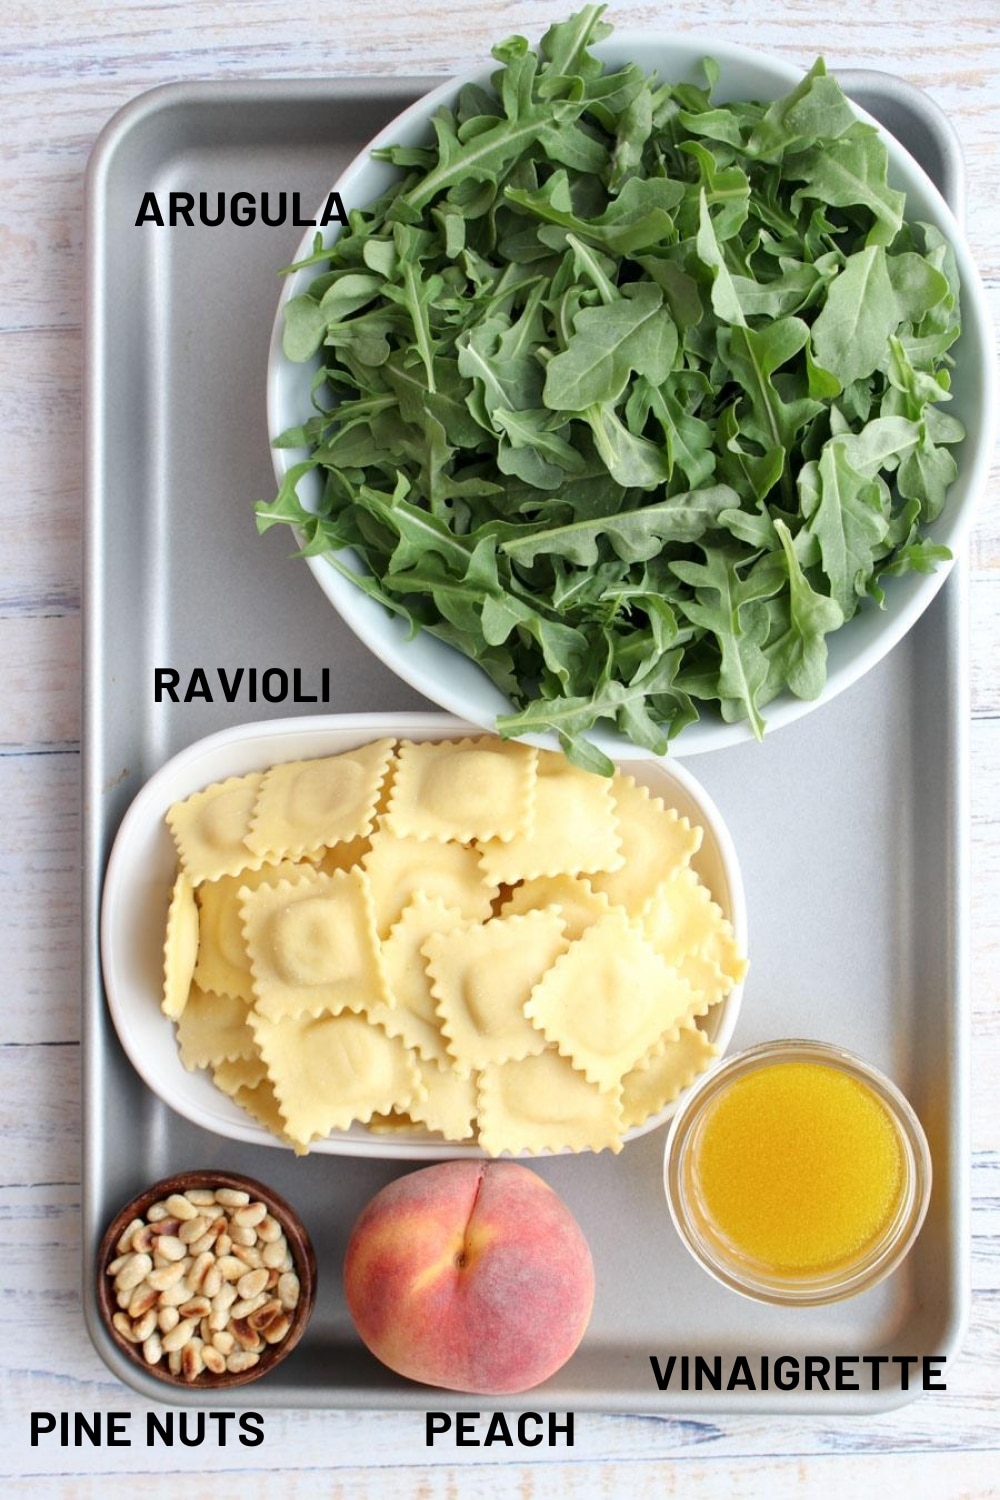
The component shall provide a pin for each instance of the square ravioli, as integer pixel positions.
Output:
(213, 1029)
(313, 946)
(260, 1102)
(223, 962)
(446, 1103)
(412, 1011)
(399, 869)
(209, 828)
(670, 1066)
(608, 999)
(461, 790)
(543, 1103)
(681, 918)
(330, 1071)
(655, 841)
(180, 948)
(307, 804)
(570, 895)
(482, 977)
(575, 829)
(240, 1072)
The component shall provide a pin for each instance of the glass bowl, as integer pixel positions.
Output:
(804, 1215)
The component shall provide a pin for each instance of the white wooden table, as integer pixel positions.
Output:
(63, 72)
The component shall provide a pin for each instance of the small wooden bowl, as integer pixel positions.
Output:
(299, 1244)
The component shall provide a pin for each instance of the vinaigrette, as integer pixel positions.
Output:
(798, 1167)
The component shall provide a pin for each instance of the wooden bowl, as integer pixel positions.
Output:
(303, 1263)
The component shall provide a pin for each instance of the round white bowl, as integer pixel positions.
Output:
(455, 682)
(142, 868)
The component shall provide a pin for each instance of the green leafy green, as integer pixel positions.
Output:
(631, 396)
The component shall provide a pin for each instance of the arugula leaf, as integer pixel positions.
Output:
(731, 608)
(798, 656)
(608, 343)
(634, 536)
(630, 395)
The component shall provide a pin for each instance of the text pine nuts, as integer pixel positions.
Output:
(186, 1298)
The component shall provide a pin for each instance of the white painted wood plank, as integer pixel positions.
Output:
(40, 895)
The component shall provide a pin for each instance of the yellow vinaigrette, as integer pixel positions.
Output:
(798, 1167)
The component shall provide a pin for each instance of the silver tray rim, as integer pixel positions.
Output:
(887, 97)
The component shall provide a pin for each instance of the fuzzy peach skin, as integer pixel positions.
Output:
(470, 1275)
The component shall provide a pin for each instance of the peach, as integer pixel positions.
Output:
(470, 1275)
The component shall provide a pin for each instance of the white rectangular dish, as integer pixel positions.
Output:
(142, 868)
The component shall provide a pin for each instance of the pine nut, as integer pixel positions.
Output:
(245, 1336)
(192, 1362)
(199, 1269)
(144, 1238)
(250, 1217)
(246, 1305)
(167, 1226)
(213, 1361)
(125, 1239)
(265, 1315)
(212, 1282)
(175, 1296)
(178, 1337)
(193, 1229)
(181, 1206)
(288, 1289)
(143, 1298)
(274, 1252)
(231, 1197)
(240, 1360)
(201, 1197)
(145, 1327)
(198, 1307)
(163, 1277)
(167, 1318)
(170, 1247)
(123, 1323)
(136, 1268)
(276, 1331)
(252, 1283)
(224, 1297)
(269, 1230)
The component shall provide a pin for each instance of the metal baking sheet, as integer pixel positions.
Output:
(851, 824)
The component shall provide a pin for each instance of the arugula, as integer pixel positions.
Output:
(630, 396)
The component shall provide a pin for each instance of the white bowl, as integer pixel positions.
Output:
(141, 873)
(456, 683)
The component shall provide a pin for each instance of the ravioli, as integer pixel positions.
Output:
(466, 939)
